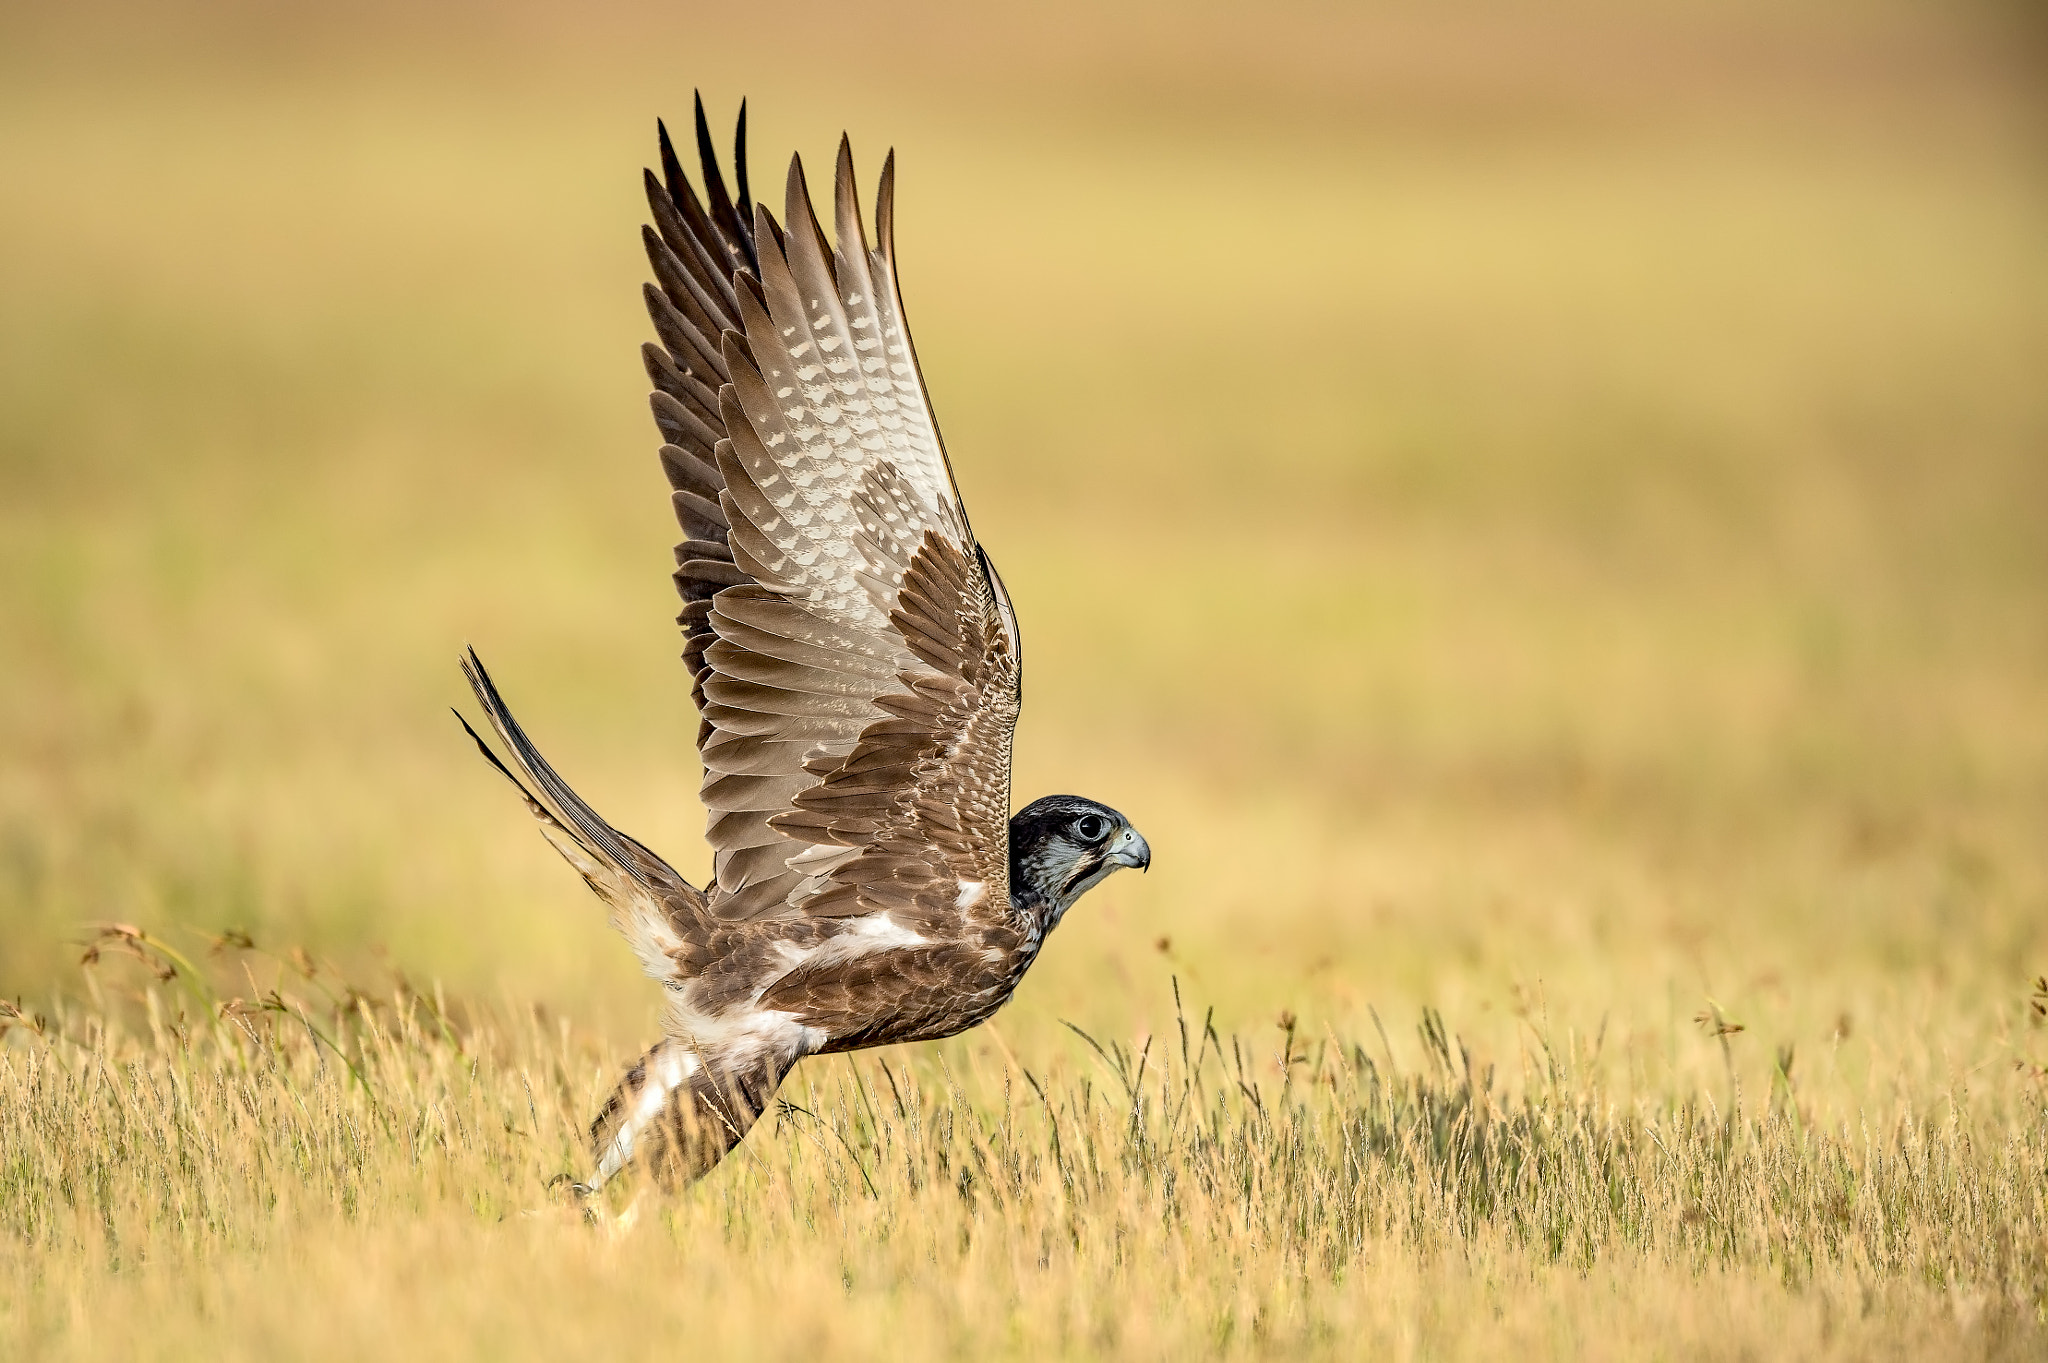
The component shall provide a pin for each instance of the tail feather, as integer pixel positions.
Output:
(681, 1108)
(593, 832)
(658, 912)
(679, 1113)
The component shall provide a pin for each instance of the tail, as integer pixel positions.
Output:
(679, 1112)
(658, 912)
(680, 1109)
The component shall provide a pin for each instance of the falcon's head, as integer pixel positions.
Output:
(1063, 846)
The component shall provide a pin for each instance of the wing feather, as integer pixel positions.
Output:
(668, 378)
(853, 657)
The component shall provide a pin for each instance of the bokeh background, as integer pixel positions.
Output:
(1536, 510)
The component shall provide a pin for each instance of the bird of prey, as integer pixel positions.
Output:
(855, 664)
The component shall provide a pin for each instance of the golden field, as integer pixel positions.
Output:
(1537, 513)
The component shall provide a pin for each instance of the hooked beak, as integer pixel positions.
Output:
(1130, 849)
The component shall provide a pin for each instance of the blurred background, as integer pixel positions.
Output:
(1534, 509)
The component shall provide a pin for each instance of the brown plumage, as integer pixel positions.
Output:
(856, 666)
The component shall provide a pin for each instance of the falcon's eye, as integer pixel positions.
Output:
(1090, 827)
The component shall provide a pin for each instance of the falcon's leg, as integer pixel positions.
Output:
(679, 1112)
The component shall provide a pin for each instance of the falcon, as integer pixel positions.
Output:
(856, 667)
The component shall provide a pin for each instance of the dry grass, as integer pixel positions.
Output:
(395, 1174)
(1535, 511)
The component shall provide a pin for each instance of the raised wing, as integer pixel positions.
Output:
(854, 657)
